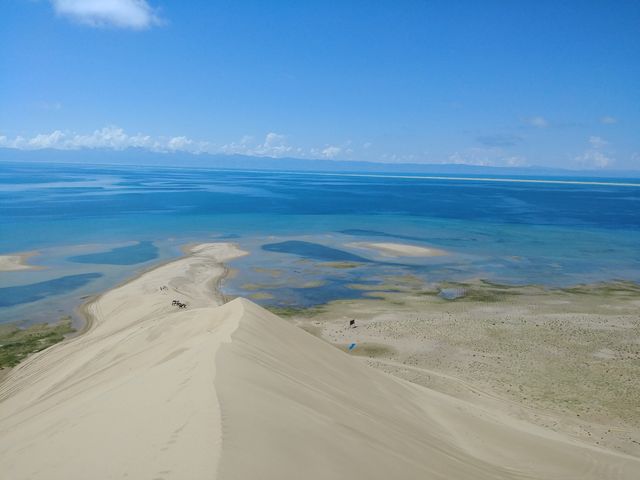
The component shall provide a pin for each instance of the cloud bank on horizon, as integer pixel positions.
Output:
(346, 81)
(115, 138)
(276, 145)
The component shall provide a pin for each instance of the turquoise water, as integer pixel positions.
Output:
(17, 295)
(131, 255)
(105, 224)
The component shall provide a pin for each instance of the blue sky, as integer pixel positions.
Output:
(553, 83)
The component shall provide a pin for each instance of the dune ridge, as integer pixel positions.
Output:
(231, 391)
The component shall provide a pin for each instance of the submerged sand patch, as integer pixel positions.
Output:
(389, 249)
(17, 261)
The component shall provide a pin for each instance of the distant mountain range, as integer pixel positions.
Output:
(144, 157)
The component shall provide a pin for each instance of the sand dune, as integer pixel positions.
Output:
(234, 392)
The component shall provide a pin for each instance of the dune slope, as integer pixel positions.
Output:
(234, 392)
(294, 406)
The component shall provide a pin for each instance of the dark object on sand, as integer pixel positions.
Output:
(179, 304)
(352, 323)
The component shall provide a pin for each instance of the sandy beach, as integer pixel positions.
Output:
(231, 391)
(17, 261)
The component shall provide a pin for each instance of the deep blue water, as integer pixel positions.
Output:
(116, 221)
(314, 251)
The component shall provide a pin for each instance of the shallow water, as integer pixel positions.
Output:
(117, 221)
(314, 251)
(131, 255)
(10, 296)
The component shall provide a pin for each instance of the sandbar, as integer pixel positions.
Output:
(17, 261)
(389, 249)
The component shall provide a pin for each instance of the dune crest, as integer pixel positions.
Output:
(234, 392)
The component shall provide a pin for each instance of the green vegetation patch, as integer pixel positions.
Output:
(292, 311)
(273, 272)
(620, 288)
(17, 343)
(261, 296)
(481, 291)
(341, 265)
(369, 349)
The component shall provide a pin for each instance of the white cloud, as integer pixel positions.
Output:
(331, 152)
(45, 140)
(238, 148)
(608, 120)
(516, 161)
(597, 142)
(274, 145)
(494, 157)
(180, 144)
(538, 122)
(115, 138)
(49, 105)
(467, 159)
(594, 157)
(133, 14)
(110, 137)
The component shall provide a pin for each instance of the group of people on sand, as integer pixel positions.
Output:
(175, 303)
(179, 304)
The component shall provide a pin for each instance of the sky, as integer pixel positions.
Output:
(504, 83)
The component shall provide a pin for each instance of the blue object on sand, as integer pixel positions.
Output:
(352, 346)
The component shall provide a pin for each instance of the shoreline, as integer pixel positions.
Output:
(228, 378)
(122, 322)
(83, 312)
(517, 343)
(83, 309)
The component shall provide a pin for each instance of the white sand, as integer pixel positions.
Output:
(16, 261)
(389, 249)
(234, 392)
